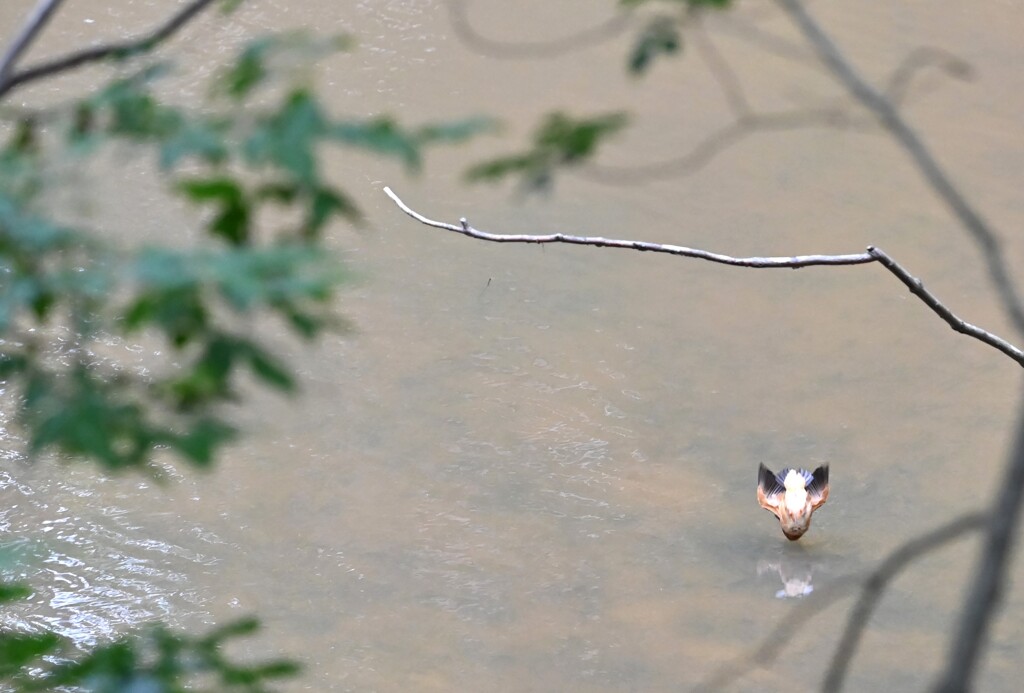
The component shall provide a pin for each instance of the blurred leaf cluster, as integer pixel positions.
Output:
(561, 140)
(661, 35)
(156, 660)
(249, 159)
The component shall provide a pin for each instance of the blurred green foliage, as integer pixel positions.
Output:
(256, 144)
(661, 36)
(155, 660)
(248, 154)
(560, 141)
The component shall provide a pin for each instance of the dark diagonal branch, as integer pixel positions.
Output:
(469, 36)
(33, 25)
(871, 588)
(988, 582)
(933, 173)
(873, 254)
(917, 288)
(990, 577)
(120, 49)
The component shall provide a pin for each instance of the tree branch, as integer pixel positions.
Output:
(715, 143)
(33, 25)
(873, 254)
(917, 288)
(120, 49)
(793, 262)
(987, 584)
(919, 153)
(871, 588)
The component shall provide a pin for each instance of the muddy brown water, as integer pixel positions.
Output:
(533, 468)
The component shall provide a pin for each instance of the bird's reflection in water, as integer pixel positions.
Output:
(794, 567)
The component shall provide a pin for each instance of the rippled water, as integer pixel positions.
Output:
(533, 468)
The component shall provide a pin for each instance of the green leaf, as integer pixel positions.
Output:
(18, 650)
(270, 370)
(207, 379)
(560, 141)
(574, 140)
(496, 169)
(660, 37)
(200, 139)
(380, 135)
(287, 138)
(325, 203)
(10, 592)
(232, 219)
(203, 440)
(249, 70)
(455, 131)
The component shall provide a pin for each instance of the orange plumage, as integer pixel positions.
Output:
(792, 495)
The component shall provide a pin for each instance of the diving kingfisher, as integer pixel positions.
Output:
(792, 495)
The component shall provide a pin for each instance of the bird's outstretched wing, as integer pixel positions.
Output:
(818, 488)
(769, 490)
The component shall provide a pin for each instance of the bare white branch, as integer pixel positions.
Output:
(873, 254)
(792, 262)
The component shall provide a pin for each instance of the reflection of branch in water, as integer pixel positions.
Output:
(990, 574)
(463, 28)
(717, 142)
(746, 121)
(898, 84)
(874, 586)
(765, 40)
(933, 173)
(871, 588)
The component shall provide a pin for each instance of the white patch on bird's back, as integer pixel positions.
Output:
(796, 491)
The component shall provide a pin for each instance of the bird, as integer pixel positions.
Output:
(792, 495)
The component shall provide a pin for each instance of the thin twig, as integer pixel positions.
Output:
(917, 288)
(716, 142)
(898, 84)
(33, 25)
(872, 589)
(119, 49)
(873, 254)
(726, 78)
(793, 262)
